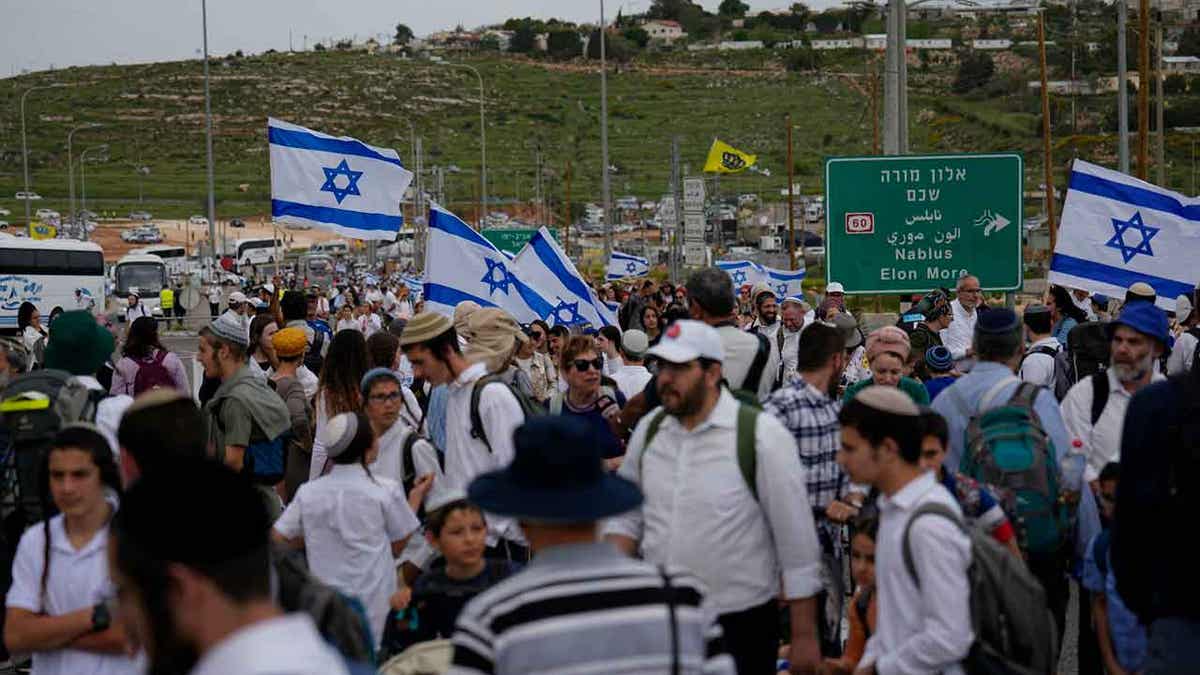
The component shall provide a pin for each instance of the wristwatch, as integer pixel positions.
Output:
(101, 618)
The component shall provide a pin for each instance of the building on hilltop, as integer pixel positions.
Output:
(664, 29)
(1181, 64)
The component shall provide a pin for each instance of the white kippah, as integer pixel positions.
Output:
(888, 399)
(339, 432)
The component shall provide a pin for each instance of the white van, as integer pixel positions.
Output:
(47, 272)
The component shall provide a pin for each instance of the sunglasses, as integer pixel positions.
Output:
(582, 365)
(536, 334)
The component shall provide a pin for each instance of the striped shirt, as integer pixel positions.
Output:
(587, 608)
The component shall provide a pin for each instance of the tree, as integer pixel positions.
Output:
(637, 35)
(1189, 42)
(403, 35)
(734, 9)
(489, 43)
(1174, 84)
(318, 47)
(616, 48)
(523, 40)
(975, 68)
(802, 58)
(564, 44)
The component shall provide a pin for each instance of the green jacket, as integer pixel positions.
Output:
(915, 390)
(244, 410)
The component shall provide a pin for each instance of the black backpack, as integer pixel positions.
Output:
(757, 366)
(528, 406)
(1087, 353)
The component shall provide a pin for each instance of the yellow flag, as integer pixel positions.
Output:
(724, 158)
(42, 231)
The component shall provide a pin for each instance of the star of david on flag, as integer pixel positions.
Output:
(543, 265)
(335, 183)
(495, 267)
(1117, 230)
(623, 265)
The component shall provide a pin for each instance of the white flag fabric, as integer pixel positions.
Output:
(1117, 230)
(622, 265)
(544, 266)
(461, 265)
(785, 282)
(743, 272)
(335, 183)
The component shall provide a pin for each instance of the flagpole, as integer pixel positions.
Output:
(604, 179)
(208, 141)
(1143, 88)
(791, 228)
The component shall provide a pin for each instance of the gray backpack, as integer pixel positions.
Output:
(1014, 630)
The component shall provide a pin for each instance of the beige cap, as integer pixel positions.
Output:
(424, 326)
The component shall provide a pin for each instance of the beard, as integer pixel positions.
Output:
(689, 401)
(1132, 372)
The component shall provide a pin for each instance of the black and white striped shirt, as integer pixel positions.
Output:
(586, 608)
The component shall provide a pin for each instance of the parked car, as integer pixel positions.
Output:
(5, 212)
(46, 214)
(88, 215)
(237, 222)
(198, 220)
(3, 224)
(140, 215)
(27, 196)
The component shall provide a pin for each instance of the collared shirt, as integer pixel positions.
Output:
(699, 512)
(585, 608)
(537, 368)
(789, 354)
(1182, 354)
(467, 457)
(134, 313)
(349, 520)
(1038, 368)
(78, 579)
(926, 628)
(961, 401)
(740, 349)
(812, 418)
(1102, 442)
(957, 336)
(631, 380)
(286, 644)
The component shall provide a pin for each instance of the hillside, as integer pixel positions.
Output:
(153, 116)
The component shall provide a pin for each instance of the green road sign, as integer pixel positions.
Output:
(512, 240)
(908, 224)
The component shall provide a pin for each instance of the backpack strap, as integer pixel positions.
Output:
(747, 451)
(1099, 395)
(556, 403)
(862, 608)
(674, 621)
(476, 421)
(993, 392)
(651, 432)
(754, 375)
(927, 508)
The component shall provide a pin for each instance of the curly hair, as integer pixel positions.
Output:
(345, 364)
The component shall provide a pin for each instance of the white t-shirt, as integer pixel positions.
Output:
(348, 521)
(631, 380)
(214, 295)
(78, 579)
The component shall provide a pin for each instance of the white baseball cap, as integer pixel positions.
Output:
(834, 287)
(269, 287)
(236, 298)
(687, 340)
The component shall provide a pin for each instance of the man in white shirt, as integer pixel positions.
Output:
(1037, 366)
(740, 530)
(750, 361)
(787, 338)
(922, 627)
(957, 336)
(631, 378)
(214, 299)
(1094, 408)
(1183, 354)
(766, 307)
(218, 618)
(431, 344)
(135, 310)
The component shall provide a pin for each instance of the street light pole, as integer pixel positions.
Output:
(605, 188)
(83, 174)
(25, 146)
(71, 163)
(208, 141)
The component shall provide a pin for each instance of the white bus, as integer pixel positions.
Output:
(175, 257)
(334, 247)
(262, 251)
(47, 272)
(146, 274)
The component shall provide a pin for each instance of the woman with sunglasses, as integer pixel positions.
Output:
(587, 397)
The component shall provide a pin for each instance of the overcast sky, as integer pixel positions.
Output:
(40, 34)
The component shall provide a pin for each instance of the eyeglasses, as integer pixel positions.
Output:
(385, 398)
(582, 365)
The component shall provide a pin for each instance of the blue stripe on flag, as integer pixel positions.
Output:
(535, 301)
(570, 281)
(292, 138)
(1117, 276)
(1132, 194)
(625, 256)
(445, 295)
(453, 225)
(326, 214)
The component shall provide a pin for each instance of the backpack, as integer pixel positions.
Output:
(312, 358)
(1014, 629)
(1008, 447)
(1087, 353)
(747, 452)
(34, 407)
(754, 375)
(152, 374)
(265, 461)
(528, 407)
(341, 620)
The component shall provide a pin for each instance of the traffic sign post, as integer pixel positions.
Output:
(911, 223)
(512, 240)
(694, 250)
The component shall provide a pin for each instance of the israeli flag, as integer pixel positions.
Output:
(339, 184)
(785, 282)
(743, 272)
(1117, 230)
(461, 265)
(622, 265)
(415, 286)
(544, 266)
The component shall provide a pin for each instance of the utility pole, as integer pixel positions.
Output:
(895, 113)
(791, 228)
(1122, 88)
(675, 233)
(208, 139)
(537, 186)
(605, 188)
(567, 210)
(873, 82)
(419, 205)
(1159, 159)
(1048, 165)
(1143, 88)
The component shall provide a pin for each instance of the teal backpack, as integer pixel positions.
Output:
(1008, 448)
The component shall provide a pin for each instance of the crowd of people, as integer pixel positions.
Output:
(725, 481)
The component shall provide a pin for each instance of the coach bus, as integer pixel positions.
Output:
(264, 251)
(47, 272)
